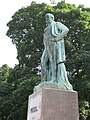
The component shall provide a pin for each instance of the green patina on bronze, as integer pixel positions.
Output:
(53, 71)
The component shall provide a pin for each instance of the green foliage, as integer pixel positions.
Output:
(84, 110)
(26, 31)
(4, 73)
(19, 99)
(14, 95)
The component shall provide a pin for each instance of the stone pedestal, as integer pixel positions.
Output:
(53, 104)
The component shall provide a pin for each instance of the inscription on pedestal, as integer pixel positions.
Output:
(34, 107)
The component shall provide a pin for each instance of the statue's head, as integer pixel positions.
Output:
(49, 18)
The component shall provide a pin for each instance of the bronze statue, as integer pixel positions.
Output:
(53, 71)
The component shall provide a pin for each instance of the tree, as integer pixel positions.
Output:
(14, 92)
(4, 73)
(5, 92)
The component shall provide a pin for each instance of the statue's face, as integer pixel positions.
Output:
(48, 19)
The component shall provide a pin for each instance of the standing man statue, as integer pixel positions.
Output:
(53, 71)
(52, 61)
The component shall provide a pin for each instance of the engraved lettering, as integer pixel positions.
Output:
(34, 109)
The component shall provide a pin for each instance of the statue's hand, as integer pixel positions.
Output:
(54, 40)
(58, 38)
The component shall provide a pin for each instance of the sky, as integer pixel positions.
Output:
(8, 52)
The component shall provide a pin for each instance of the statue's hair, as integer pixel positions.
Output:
(49, 14)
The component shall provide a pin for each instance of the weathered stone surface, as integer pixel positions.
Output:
(61, 85)
(53, 104)
(34, 106)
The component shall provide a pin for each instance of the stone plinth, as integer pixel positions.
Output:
(53, 104)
